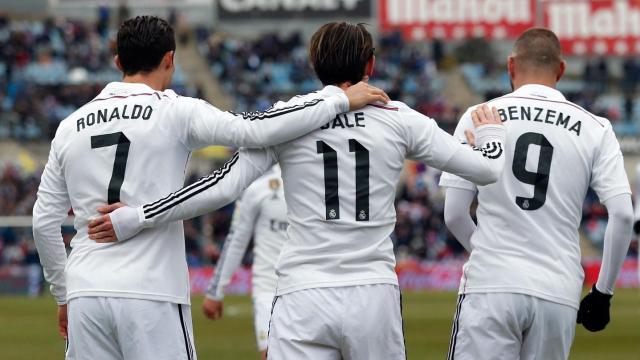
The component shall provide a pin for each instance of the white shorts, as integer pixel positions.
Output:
(119, 328)
(351, 323)
(511, 326)
(261, 315)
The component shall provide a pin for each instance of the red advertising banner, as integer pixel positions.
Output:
(602, 27)
(457, 19)
(416, 276)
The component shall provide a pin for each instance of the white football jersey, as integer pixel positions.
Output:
(261, 213)
(339, 184)
(527, 237)
(131, 144)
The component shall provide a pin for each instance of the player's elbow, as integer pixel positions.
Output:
(489, 176)
(39, 226)
(452, 217)
(623, 214)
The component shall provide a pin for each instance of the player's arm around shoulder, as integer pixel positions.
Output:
(481, 164)
(208, 125)
(205, 195)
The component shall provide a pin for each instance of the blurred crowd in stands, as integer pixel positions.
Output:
(261, 71)
(49, 68)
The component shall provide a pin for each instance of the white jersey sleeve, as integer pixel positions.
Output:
(457, 217)
(207, 125)
(205, 195)
(435, 147)
(617, 238)
(608, 176)
(49, 212)
(454, 181)
(242, 226)
(609, 180)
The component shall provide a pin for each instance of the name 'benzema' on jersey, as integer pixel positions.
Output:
(543, 115)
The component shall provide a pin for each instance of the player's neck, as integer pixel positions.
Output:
(549, 82)
(152, 80)
(344, 86)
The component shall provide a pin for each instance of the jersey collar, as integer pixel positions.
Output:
(122, 88)
(539, 91)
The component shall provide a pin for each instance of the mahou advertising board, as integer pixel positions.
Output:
(601, 27)
(457, 19)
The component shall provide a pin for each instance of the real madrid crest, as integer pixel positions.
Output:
(274, 184)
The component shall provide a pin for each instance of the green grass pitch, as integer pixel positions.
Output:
(28, 329)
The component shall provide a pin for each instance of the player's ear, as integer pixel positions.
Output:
(116, 60)
(167, 60)
(511, 66)
(563, 67)
(368, 71)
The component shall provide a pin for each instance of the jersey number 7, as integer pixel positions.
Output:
(331, 200)
(120, 163)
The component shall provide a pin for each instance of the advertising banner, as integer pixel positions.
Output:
(457, 19)
(415, 276)
(602, 27)
(287, 9)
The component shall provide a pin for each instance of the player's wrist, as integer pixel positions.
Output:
(490, 132)
(599, 295)
(214, 297)
(127, 222)
(636, 227)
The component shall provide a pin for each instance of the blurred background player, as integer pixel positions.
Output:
(336, 272)
(520, 289)
(260, 214)
(106, 151)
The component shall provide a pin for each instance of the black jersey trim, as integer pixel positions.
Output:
(173, 199)
(261, 115)
(185, 334)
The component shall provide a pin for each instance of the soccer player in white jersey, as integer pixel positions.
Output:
(131, 143)
(261, 213)
(520, 288)
(337, 294)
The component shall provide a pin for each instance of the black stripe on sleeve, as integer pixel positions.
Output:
(190, 191)
(259, 115)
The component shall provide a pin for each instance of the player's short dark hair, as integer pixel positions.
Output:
(538, 48)
(339, 52)
(142, 42)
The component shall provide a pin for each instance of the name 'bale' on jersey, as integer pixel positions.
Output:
(527, 238)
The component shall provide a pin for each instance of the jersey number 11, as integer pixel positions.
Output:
(331, 200)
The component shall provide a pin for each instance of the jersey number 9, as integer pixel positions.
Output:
(540, 178)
